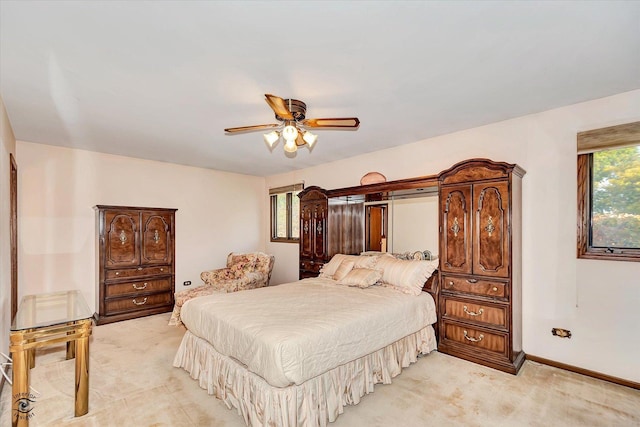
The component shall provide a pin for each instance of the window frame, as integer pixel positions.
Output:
(289, 190)
(612, 137)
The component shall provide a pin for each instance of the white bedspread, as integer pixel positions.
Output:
(290, 333)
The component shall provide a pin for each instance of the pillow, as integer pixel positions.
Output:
(329, 269)
(361, 277)
(406, 276)
(345, 267)
(367, 261)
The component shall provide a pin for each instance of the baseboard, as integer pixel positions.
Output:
(593, 374)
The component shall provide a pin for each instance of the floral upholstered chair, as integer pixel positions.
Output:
(243, 271)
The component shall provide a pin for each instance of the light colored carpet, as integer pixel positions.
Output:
(133, 383)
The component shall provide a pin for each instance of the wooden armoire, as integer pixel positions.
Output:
(136, 262)
(480, 302)
(314, 210)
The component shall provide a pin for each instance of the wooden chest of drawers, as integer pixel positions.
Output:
(135, 262)
(480, 302)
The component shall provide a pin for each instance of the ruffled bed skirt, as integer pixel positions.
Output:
(313, 403)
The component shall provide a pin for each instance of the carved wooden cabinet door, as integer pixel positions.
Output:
(456, 251)
(313, 222)
(491, 229)
(156, 238)
(121, 239)
(319, 230)
(306, 229)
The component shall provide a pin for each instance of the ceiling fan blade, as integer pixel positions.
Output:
(278, 106)
(251, 128)
(345, 122)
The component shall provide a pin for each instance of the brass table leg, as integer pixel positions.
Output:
(71, 349)
(71, 345)
(82, 369)
(31, 353)
(22, 401)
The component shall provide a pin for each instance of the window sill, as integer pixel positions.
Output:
(285, 240)
(629, 255)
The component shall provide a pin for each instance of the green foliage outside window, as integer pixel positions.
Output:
(615, 208)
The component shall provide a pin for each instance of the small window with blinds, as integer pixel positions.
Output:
(609, 193)
(285, 213)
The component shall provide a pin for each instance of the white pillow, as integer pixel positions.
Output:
(406, 276)
(361, 277)
(345, 267)
(365, 261)
(329, 269)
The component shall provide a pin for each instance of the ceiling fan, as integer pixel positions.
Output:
(293, 125)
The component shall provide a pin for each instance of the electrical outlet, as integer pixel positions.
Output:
(562, 333)
(187, 283)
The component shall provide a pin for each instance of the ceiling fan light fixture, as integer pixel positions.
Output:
(293, 124)
(290, 133)
(290, 146)
(310, 138)
(271, 138)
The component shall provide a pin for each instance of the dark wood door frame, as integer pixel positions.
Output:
(376, 227)
(13, 226)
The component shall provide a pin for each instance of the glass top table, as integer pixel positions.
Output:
(56, 308)
(43, 320)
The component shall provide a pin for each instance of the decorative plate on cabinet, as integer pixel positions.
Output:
(373, 178)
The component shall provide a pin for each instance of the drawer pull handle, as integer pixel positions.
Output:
(450, 284)
(471, 313)
(162, 269)
(472, 280)
(145, 285)
(139, 268)
(472, 339)
(494, 289)
(145, 301)
(117, 273)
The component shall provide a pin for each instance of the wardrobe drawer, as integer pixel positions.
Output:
(135, 303)
(137, 287)
(471, 285)
(493, 315)
(129, 273)
(476, 337)
(312, 266)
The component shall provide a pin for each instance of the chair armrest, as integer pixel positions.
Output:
(211, 276)
(255, 279)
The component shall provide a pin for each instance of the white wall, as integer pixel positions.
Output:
(597, 300)
(7, 146)
(413, 225)
(218, 212)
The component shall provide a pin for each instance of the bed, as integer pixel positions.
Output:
(296, 354)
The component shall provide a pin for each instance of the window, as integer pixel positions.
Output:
(609, 193)
(285, 213)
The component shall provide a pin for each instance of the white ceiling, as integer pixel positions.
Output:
(161, 80)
